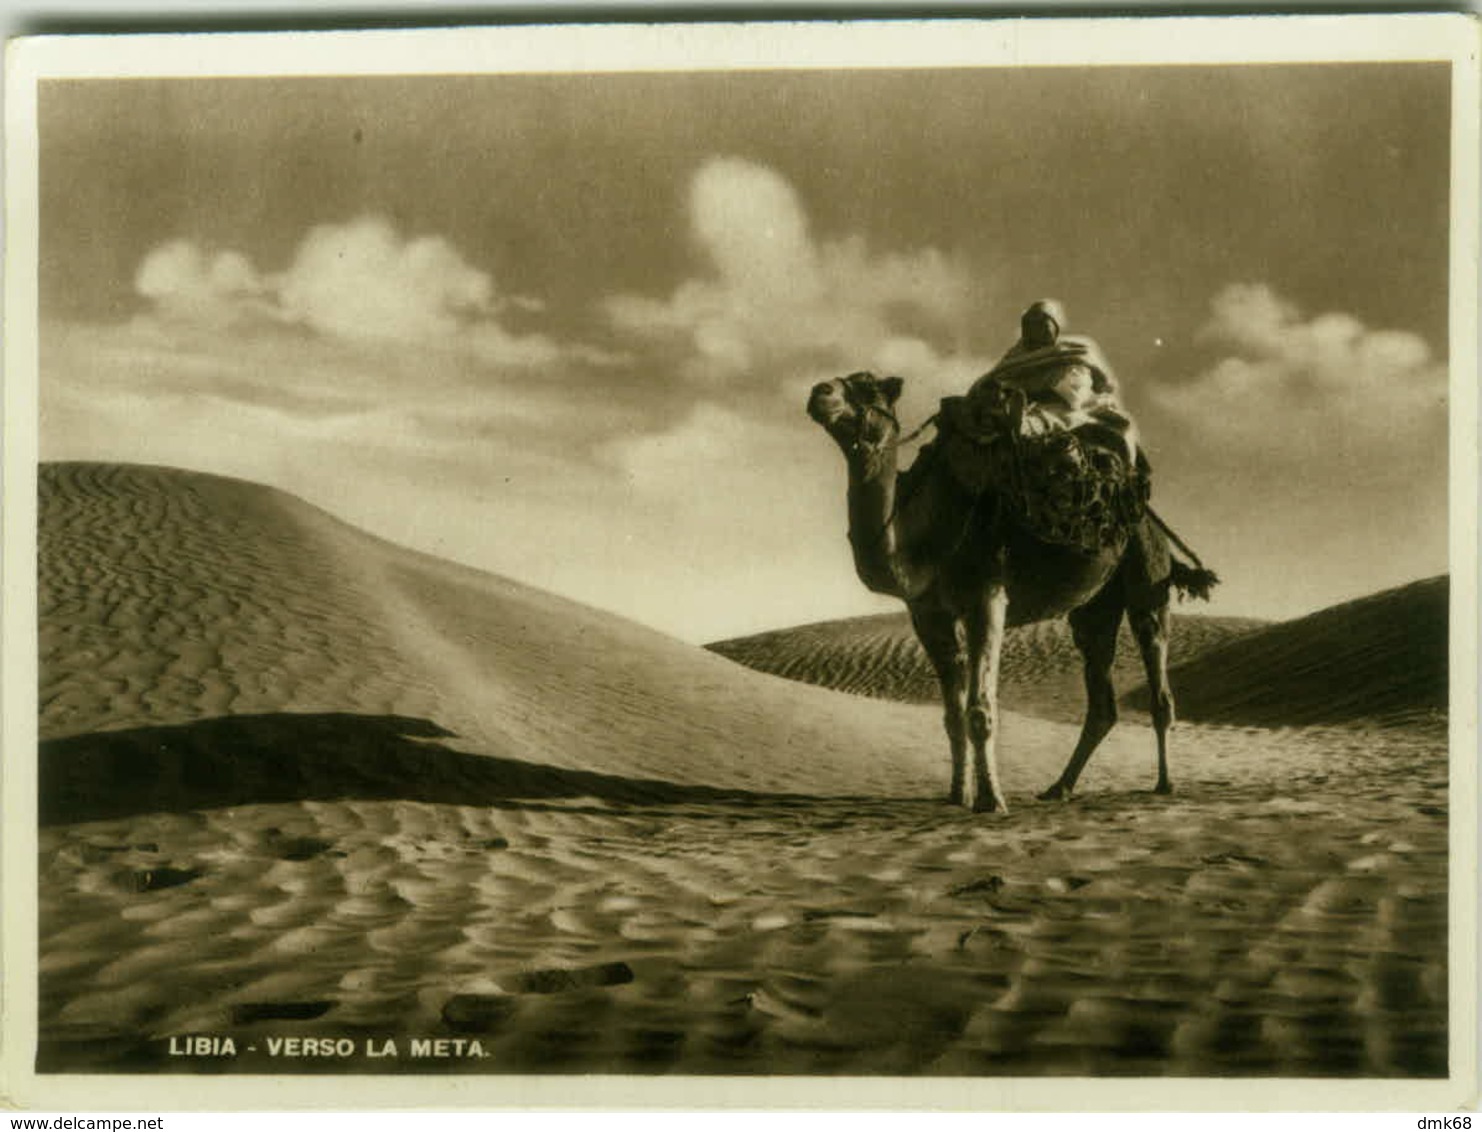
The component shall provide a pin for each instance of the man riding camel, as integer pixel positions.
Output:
(1066, 382)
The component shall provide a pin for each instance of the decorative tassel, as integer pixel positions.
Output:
(1193, 582)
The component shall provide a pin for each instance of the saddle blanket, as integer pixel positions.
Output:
(1079, 483)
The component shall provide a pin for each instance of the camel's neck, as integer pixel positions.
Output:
(875, 526)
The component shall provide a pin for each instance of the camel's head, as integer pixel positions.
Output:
(858, 411)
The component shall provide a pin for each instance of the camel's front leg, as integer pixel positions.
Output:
(937, 631)
(985, 645)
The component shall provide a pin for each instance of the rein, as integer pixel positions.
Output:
(927, 423)
(890, 446)
(1173, 538)
(860, 446)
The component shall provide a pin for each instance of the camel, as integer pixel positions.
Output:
(967, 570)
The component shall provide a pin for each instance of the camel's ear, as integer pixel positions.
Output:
(891, 387)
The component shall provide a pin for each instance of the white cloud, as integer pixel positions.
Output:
(1290, 387)
(779, 303)
(752, 225)
(186, 283)
(363, 281)
(362, 284)
(735, 488)
(1308, 460)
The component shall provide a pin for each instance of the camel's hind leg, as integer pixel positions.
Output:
(1094, 627)
(985, 628)
(937, 631)
(1151, 628)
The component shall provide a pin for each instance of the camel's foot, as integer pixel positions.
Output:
(1059, 792)
(1163, 787)
(988, 802)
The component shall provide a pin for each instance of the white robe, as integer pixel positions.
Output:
(1068, 385)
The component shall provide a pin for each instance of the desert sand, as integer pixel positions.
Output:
(300, 783)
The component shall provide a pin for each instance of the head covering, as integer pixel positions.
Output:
(1054, 308)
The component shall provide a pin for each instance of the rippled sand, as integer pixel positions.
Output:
(297, 782)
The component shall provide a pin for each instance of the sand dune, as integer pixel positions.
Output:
(1380, 658)
(177, 601)
(299, 783)
(880, 657)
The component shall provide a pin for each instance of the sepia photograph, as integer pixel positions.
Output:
(826, 556)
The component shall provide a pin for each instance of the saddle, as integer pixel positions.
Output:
(1073, 487)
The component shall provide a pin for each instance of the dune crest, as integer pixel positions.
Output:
(171, 598)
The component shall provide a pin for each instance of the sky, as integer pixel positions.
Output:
(562, 327)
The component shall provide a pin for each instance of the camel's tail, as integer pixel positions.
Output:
(1194, 581)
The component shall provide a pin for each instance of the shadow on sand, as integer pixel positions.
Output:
(284, 757)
